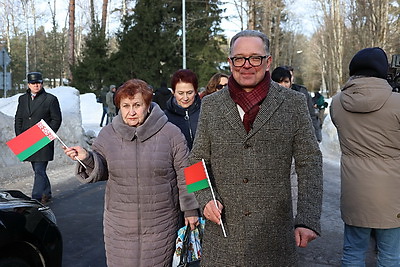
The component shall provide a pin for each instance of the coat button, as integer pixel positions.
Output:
(398, 216)
(247, 213)
(245, 180)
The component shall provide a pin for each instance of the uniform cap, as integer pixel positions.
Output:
(35, 77)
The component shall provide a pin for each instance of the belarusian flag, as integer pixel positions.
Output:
(196, 177)
(32, 140)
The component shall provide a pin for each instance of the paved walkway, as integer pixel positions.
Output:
(322, 252)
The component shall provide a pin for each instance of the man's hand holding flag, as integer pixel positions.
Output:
(197, 179)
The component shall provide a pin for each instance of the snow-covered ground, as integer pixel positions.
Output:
(81, 119)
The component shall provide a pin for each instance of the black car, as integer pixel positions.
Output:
(29, 236)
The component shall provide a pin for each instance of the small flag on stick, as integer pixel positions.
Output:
(196, 177)
(32, 140)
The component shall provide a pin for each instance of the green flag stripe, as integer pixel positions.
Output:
(197, 186)
(33, 149)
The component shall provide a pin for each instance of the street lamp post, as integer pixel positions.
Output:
(183, 34)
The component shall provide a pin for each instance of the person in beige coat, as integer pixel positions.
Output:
(142, 156)
(366, 114)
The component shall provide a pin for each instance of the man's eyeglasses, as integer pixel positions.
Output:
(254, 61)
(220, 86)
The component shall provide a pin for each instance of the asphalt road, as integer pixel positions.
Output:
(79, 209)
(79, 213)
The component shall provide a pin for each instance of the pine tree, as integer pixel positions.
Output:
(90, 73)
(146, 43)
(150, 43)
(204, 39)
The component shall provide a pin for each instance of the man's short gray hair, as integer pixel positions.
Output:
(250, 33)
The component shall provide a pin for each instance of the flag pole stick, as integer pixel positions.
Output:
(215, 201)
(83, 165)
(59, 139)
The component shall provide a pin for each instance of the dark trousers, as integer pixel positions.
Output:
(41, 184)
(105, 113)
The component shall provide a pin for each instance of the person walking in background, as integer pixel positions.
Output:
(161, 95)
(247, 134)
(366, 114)
(320, 105)
(216, 82)
(142, 156)
(314, 118)
(183, 108)
(111, 110)
(282, 76)
(36, 104)
(103, 101)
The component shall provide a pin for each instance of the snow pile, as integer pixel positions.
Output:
(71, 131)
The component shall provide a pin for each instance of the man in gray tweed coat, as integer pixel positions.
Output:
(247, 135)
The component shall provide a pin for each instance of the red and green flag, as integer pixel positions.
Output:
(32, 140)
(196, 177)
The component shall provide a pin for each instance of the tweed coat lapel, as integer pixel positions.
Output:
(271, 103)
(231, 113)
(267, 109)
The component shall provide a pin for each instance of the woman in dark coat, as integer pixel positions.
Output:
(142, 157)
(183, 108)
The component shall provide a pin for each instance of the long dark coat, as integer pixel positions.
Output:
(145, 189)
(29, 112)
(251, 177)
(185, 118)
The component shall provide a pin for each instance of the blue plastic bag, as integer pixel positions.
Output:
(193, 251)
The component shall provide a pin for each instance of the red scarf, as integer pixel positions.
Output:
(249, 101)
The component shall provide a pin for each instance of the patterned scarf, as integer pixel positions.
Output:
(249, 101)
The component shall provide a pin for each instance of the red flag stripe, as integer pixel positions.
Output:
(26, 139)
(195, 173)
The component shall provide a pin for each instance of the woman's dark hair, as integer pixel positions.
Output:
(280, 73)
(185, 76)
(132, 87)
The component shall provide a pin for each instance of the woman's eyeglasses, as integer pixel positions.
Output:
(220, 86)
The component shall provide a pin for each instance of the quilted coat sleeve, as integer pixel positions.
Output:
(202, 150)
(187, 201)
(96, 165)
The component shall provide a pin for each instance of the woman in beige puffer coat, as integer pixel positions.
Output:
(142, 157)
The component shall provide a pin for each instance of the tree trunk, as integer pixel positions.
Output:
(92, 17)
(71, 38)
(104, 17)
(34, 54)
(25, 7)
(252, 15)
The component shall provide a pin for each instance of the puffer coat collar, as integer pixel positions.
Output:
(365, 94)
(153, 123)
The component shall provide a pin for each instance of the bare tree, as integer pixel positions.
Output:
(241, 12)
(25, 8)
(369, 22)
(331, 39)
(104, 17)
